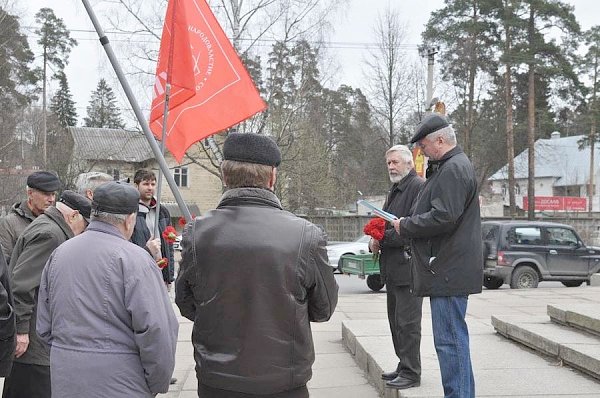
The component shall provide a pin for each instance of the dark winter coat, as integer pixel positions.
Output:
(13, 225)
(393, 261)
(445, 230)
(252, 277)
(33, 248)
(141, 235)
(7, 321)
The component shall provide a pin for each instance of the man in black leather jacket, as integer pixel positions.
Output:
(404, 309)
(252, 277)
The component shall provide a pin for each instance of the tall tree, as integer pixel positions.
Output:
(17, 79)
(388, 75)
(62, 104)
(56, 42)
(591, 68)
(544, 56)
(102, 110)
(466, 33)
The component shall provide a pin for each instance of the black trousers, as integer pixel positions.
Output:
(27, 381)
(205, 391)
(404, 315)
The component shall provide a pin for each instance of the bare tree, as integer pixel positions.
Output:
(388, 75)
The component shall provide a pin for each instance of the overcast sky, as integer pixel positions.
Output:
(353, 33)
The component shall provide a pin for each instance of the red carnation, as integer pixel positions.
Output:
(181, 221)
(375, 228)
(163, 263)
(170, 234)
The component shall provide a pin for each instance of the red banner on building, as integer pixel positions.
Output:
(558, 203)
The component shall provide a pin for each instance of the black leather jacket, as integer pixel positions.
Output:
(252, 278)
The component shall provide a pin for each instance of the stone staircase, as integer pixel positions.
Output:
(571, 334)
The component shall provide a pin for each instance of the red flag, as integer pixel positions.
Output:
(223, 92)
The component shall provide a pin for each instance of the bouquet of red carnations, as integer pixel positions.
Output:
(375, 228)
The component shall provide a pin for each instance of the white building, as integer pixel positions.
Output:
(562, 168)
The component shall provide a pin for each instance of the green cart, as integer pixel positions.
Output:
(363, 265)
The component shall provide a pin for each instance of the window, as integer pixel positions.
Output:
(116, 173)
(180, 175)
(562, 237)
(525, 236)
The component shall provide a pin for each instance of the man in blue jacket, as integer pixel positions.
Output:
(447, 257)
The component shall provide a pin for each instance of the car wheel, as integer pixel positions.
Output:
(374, 283)
(491, 282)
(572, 283)
(524, 277)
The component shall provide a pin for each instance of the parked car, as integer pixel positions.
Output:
(338, 249)
(523, 253)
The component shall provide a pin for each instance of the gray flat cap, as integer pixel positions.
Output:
(77, 202)
(251, 148)
(43, 181)
(116, 197)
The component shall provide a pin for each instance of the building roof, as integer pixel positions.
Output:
(558, 158)
(92, 143)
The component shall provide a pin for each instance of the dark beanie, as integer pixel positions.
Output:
(43, 181)
(116, 197)
(430, 124)
(251, 148)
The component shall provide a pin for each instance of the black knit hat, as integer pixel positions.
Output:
(251, 148)
(77, 202)
(116, 197)
(430, 124)
(43, 181)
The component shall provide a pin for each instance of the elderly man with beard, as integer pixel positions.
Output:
(404, 309)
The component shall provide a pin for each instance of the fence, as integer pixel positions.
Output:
(349, 228)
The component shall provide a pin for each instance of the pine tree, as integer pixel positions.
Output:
(56, 43)
(102, 110)
(62, 104)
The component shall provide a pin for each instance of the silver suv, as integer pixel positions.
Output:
(523, 253)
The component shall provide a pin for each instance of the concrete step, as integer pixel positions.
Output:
(581, 316)
(573, 347)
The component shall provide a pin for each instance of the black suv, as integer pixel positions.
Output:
(523, 253)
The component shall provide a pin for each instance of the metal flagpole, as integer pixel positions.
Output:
(162, 152)
(138, 112)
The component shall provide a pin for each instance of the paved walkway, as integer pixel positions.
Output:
(335, 373)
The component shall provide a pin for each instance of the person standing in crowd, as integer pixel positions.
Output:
(447, 256)
(252, 278)
(86, 183)
(404, 309)
(143, 234)
(41, 194)
(7, 320)
(30, 375)
(103, 308)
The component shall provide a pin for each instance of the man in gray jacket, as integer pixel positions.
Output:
(104, 310)
(30, 375)
(41, 194)
(252, 278)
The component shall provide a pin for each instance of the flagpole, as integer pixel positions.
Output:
(162, 151)
(138, 112)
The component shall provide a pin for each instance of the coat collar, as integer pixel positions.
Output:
(56, 216)
(100, 226)
(258, 196)
(23, 210)
(434, 165)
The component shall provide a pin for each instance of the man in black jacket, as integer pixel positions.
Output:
(252, 277)
(404, 309)
(446, 246)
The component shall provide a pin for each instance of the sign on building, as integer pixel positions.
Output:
(557, 203)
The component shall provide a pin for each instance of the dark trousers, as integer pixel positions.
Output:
(205, 391)
(404, 315)
(27, 381)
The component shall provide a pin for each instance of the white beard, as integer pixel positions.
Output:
(396, 178)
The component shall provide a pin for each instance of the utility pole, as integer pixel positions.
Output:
(429, 53)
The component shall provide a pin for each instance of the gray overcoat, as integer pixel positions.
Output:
(104, 309)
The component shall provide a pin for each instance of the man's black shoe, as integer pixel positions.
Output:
(400, 383)
(389, 375)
